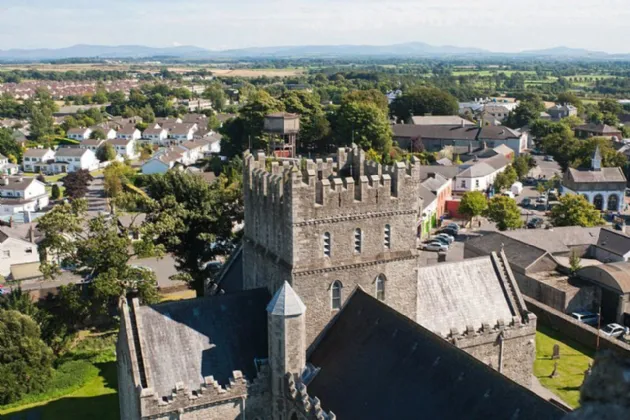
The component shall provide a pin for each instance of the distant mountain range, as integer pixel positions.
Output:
(410, 49)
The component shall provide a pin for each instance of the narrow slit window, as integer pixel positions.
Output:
(336, 295)
(327, 244)
(357, 240)
(387, 237)
(380, 287)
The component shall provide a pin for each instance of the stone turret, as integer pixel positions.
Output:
(287, 343)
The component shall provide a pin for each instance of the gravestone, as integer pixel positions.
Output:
(556, 352)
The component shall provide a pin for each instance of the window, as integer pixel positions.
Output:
(357, 240)
(29, 250)
(477, 183)
(6, 254)
(327, 244)
(463, 183)
(387, 237)
(380, 287)
(336, 295)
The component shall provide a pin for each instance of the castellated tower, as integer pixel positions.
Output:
(287, 344)
(327, 226)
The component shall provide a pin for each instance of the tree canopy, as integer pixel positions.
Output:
(575, 210)
(422, 101)
(76, 183)
(504, 212)
(364, 124)
(106, 153)
(473, 204)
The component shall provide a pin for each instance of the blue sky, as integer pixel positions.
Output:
(498, 25)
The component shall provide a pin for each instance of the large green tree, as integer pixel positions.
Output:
(370, 95)
(504, 212)
(575, 210)
(423, 100)
(106, 153)
(473, 204)
(364, 124)
(25, 360)
(505, 179)
(314, 126)
(41, 120)
(216, 95)
(8, 146)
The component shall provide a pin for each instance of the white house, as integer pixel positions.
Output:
(129, 132)
(125, 148)
(109, 132)
(36, 160)
(163, 161)
(7, 168)
(72, 159)
(197, 149)
(479, 176)
(19, 194)
(15, 250)
(182, 132)
(79, 133)
(156, 135)
(603, 187)
(92, 144)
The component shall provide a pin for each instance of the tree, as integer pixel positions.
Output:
(100, 249)
(473, 204)
(114, 176)
(575, 262)
(216, 95)
(55, 193)
(76, 183)
(504, 212)
(571, 98)
(371, 95)
(525, 114)
(610, 106)
(98, 134)
(8, 146)
(522, 165)
(364, 124)
(422, 101)
(106, 153)
(505, 179)
(575, 210)
(26, 360)
(314, 126)
(204, 217)
(42, 128)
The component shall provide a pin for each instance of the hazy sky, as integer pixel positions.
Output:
(497, 25)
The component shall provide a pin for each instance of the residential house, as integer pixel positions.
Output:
(7, 168)
(182, 132)
(125, 148)
(155, 135)
(19, 194)
(126, 121)
(110, 133)
(129, 132)
(597, 130)
(15, 250)
(36, 160)
(81, 133)
(434, 191)
(560, 111)
(92, 144)
(500, 110)
(197, 149)
(603, 187)
(480, 175)
(440, 120)
(168, 120)
(165, 160)
(71, 159)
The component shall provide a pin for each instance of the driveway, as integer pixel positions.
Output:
(96, 197)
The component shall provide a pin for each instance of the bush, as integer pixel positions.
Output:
(55, 193)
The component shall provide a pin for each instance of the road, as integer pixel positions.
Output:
(96, 197)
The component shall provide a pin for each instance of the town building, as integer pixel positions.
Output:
(125, 148)
(597, 130)
(37, 160)
(71, 159)
(449, 120)
(92, 144)
(480, 175)
(603, 187)
(180, 133)
(7, 168)
(560, 111)
(15, 250)
(19, 194)
(80, 133)
(155, 135)
(129, 132)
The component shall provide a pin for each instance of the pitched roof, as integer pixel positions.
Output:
(440, 120)
(426, 195)
(286, 302)
(180, 129)
(456, 132)
(377, 364)
(597, 128)
(519, 254)
(497, 132)
(79, 130)
(127, 130)
(71, 152)
(558, 239)
(603, 175)
(153, 131)
(188, 340)
(119, 141)
(38, 153)
(477, 169)
(612, 241)
(16, 183)
(448, 172)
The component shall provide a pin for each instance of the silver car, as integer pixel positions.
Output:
(434, 246)
(613, 330)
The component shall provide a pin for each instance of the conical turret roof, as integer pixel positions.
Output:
(286, 302)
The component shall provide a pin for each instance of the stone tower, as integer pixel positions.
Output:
(287, 343)
(328, 226)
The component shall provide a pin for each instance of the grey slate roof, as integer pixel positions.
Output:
(477, 170)
(378, 364)
(70, 152)
(615, 242)
(519, 254)
(38, 153)
(426, 195)
(603, 175)
(286, 302)
(597, 128)
(448, 172)
(188, 340)
(556, 240)
(459, 294)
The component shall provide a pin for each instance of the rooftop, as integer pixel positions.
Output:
(602, 175)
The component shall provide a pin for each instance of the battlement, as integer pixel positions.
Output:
(309, 407)
(349, 181)
(514, 327)
(209, 393)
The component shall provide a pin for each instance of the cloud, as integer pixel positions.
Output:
(499, 25)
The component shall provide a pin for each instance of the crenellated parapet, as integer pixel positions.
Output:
(209, 394)
(507, 329)
(300, 401)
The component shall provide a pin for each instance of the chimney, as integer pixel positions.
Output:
(463, 123)
(11, 221)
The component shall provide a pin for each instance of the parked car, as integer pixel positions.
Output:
(614, 330)
(440, 239)
(586, 317)
(446, 236)
(4, 290)
(526, 202)
(535, 223)
(549, 158)
(434, 246)
(452, 225)
(508, 194)
(449, 231)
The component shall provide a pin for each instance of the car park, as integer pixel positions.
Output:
(451, 225)
(585, 317)
(449, 231)
(535, 223)
(549, 158)
(440, 239)
(526, 202)
(434, 246)
(446, 236)
(614, 330)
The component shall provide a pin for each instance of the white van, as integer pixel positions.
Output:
(517, 188)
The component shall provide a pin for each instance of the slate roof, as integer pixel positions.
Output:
(78, 130)
(426, 195)
(38, 153)
(153, 131)
(456, 132)
(476, 170)
(519, 254)
(378, 364)
(556, 240)
(613, 275)
(16, 183)
(435, 183)
(615, 242)
(604, 175)
(188, 340)
(440, 120)
(127, 130)
(70, 152)
(597, 128)
(286, 302)
(455, 295)
(448, 172)
(497, 132)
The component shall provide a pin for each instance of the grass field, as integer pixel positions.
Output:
(95, 399)
(485, 73)
(573, 362)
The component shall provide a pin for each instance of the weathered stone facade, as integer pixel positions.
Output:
(365, 214)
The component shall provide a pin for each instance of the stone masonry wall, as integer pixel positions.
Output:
(128, 395)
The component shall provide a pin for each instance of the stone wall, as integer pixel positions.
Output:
(125, 364)
(571, 328)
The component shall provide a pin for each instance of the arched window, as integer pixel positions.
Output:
(357, 240)
(613, 203)
(387, 237)
(598, 202)
(336, 294)
(327, 244)
(380, 287)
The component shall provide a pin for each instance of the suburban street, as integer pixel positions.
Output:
(96, 197)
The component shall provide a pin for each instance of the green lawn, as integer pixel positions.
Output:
(95, 399)
(573, 362)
